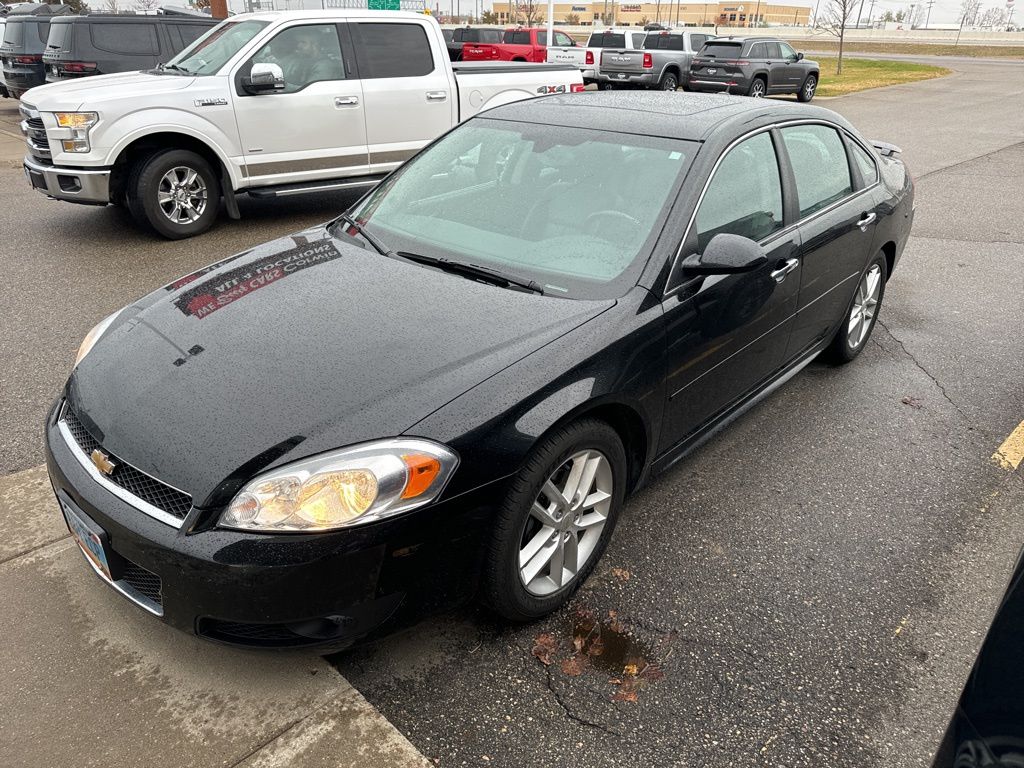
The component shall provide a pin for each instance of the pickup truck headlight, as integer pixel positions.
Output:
(342, 488)
(75, 137)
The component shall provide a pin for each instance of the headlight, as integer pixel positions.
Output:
(75, 137)
(94, 335)
(352, 486)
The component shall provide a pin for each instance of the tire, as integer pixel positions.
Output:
(758, 88)
(669, 82)
(197, 195)
(843, 348)
(517, 527)
(806, 92)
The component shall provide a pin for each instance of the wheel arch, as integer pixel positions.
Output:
(148, 143)
(889, 249)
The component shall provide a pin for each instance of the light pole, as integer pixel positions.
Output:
(871, 10)
(912, 6)
(757, 10)
(929, 16)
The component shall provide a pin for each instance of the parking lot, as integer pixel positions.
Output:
(807, 589)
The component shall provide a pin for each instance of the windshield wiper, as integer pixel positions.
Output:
(378, 246)
(473, 270)
(175, 67)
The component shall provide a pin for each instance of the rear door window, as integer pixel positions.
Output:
(137, 39)
(773, 51)
(517, 38)
(392, 50)
(820, 166)
(745, 194)
(757, 51)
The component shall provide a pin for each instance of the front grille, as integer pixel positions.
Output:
(142, 581)
(36, 124)
(137, 483)
(35, 135)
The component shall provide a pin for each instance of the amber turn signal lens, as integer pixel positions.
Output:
(423, 470)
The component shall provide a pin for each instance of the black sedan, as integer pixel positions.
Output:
(453, 387)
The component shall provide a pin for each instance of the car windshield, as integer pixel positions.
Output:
(575, 210)
(214, 49)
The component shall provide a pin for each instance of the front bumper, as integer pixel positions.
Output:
(276, 590)
(626, 78)
(76, 185)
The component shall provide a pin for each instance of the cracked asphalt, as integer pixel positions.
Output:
(807, 589)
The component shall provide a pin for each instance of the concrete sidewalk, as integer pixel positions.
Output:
(86, 678)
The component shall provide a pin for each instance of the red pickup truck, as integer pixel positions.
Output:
(519, 44)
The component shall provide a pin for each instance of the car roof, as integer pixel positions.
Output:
(751, 39)
(689, 116)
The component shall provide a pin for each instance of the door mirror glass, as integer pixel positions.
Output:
(265, 78)
(799, 57)
(726, 255)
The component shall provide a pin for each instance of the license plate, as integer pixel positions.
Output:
(89, 537)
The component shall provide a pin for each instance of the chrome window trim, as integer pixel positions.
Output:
(779, 232)
(129, 498)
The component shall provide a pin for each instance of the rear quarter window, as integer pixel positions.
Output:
(13, 34)
(59, 34)
(392, 50)
(137, 39)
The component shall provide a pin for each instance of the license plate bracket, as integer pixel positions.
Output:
(90, 537)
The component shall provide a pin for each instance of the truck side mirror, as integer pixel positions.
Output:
(264, 78)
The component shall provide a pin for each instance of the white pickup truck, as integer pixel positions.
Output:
(269, 104)
(588, 57)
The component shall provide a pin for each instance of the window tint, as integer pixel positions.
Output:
(125, 38)
(819, 165)
(490, 36)
(58, 35)
(43, 31)
(517, 38)
(866, 164)
(542, 38)
(697, 41)
(449, 35)
(306, 54)
(745, 194)
(773, 50)
(13, 33)
(607, 40)
(392, 50)
(757, 51)
(722, 50)
(676, 43)
(787, 51)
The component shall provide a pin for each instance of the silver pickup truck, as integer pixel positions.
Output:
(663, 63)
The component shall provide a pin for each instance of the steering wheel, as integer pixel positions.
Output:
(600, 227)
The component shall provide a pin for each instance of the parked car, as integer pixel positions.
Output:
(754, 66)
(459, 380)
(21, 53)
(100, 44)
(588, 59)
(520, 44)
(987, 727)
(463, 35)
(3, 83)
(277, 103)
(664, 62)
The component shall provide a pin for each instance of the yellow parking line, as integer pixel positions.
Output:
(1010, 454)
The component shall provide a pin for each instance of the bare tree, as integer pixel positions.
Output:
(572, 19)
(969, 10)
(837, 17)
(916, 15)
(993, 17)
(147, 5)
(110, 5)
(489, 17)
(529, 10)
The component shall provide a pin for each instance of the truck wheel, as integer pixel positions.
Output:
(175, 192)
(669, 82)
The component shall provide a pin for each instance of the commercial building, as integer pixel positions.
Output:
(605, 12)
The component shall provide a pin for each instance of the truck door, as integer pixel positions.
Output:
(312, 129)
(409, 89)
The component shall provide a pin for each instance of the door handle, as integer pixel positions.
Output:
(868, 218)
(788, 266)
(437, 95)
(346, 101)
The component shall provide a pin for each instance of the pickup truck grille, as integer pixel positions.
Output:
(35, 134)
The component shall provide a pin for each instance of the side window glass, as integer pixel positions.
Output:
(392, 50)
(866, 164)
(745, 194)
(696, 41)
(190, 32)
(819, 165)
(676, 43)
(757, 51)
(542, 39)
(307, 54)
(773, 52)
(787, 51)
(125, 38)
(562, 40)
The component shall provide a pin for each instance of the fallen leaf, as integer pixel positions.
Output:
(621, 574)
(624, 696)
(596, 647)
(614, 624)
(574, 665)
(545, 646)
(577, 643)
(913, 402)
(630, 669)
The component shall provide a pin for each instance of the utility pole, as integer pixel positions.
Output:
(757, 10)
(871, 11)
(928, 17)
(859, 12)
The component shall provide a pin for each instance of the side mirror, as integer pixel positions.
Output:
(726, 255)
(264, 78)
(799, 57)
(574, 44)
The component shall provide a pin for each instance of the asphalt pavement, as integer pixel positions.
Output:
(807, 589)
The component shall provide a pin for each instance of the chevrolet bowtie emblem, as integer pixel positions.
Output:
(102, 462)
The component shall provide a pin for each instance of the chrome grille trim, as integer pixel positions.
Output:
(129, 498)
(129, 591)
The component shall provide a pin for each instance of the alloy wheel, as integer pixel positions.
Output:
(809, 87)
(182, 195)
(757, 89)
(565, 523)
(865, 305)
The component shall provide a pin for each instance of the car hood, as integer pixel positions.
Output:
(298, 346)
(92, 91)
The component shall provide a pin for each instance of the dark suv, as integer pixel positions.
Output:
(98, 44)
(21, 54)
(754, 66)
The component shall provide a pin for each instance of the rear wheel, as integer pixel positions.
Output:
(669, 82)
(855, 330)
(757, 88)
(175, 192)
(556, 521)
(808, 88)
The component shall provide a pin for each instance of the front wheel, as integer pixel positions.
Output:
(808, 88)
(858, 322)
(175, 192)
(556, 521)
(669, 82)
